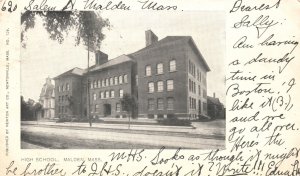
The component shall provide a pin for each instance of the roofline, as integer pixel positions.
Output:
(114, 64)
(200, 55)
(66, 72)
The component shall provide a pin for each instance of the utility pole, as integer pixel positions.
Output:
(88, 84)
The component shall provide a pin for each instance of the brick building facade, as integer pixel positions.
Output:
(166, 78)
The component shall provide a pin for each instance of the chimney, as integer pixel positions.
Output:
(150, 38)
(214, 95)
(100, 57)
(48, 80)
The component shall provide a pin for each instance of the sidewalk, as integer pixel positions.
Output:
(198, 128)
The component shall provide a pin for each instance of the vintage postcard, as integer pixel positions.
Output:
(136, 88)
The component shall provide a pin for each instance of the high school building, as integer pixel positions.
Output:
(166, 78)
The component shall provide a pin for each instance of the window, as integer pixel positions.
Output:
(111, 81)
(62, 98)
(204, 107)
(125, 79)
(96, 108)
(95, 96)
(99, 83)
(66, 97)
(91, 85)
(121, 93)
(150, 104)
(121, 79)
(160, 104)
(118, 107)
(170, 103)
(106, 94)
(68, 86)
(62, 109)
(150, 87)
(112, 94)
(59, 89)
(116, 80)
(148, 70)
(199, 90)
(95, 84)
(106, 82)
(103, 83)
(101, 95)
(170, 85)
(63, 88)
(59, 98)
(137, 80)
(160, 86)
(159, 68)
(172, 65)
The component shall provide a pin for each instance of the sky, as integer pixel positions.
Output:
(44, 57)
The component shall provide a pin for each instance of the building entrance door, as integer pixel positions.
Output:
(107, 110)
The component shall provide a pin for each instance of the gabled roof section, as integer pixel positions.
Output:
(74, 71)
(172, 39)
(112, 62)
(214, 100)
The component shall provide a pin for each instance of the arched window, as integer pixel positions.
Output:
(121, 93)
(160, 86)
(116, 80)
(150, 87)
(160, 104)
(111, 81)
(170, 85)
(99, 83)
(172, 65)
(95, 96)
(159, 68)
(148, 70)
(121, 79)
(106, 94)
(170, 103)
(125, 79)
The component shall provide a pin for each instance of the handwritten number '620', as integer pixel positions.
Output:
(8, 6)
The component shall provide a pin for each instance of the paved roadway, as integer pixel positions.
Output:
(182, 138)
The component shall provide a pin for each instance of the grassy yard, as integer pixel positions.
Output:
(54, 141)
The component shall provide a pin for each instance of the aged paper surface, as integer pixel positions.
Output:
(173, 58)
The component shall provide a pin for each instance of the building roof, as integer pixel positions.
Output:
(74, 71)
(47, 90)
(118, 60)
(214, 100)
(172, 39)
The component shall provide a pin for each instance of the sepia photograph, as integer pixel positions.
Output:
(94, 80)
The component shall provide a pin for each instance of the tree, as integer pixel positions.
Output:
(128, 104)
(87, 24)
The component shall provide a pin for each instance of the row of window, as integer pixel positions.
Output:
(192, 70)
(108, 94)
(193, 103)
(62, 98)
(109, 81)
(160, 105)
(192, 86)
(160, 86)
(160, 68)
(96, 108)
(62, 109)
(64, 87)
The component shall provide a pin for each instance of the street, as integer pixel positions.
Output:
(117, 136)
